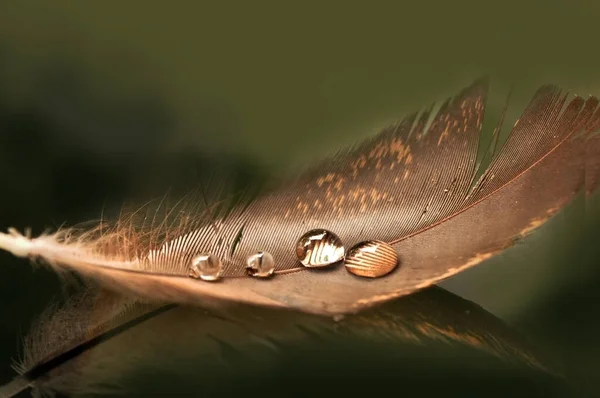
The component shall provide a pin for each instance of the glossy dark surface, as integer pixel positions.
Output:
(99, 102)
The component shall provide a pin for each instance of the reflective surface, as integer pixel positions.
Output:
(330, 84)
(319, 248)
(260, 265)
(371, 259)
(206, 266)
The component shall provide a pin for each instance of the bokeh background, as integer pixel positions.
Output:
(110, 100)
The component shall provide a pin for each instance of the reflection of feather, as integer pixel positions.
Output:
(71, 330)
(416, 186)
(200, 347)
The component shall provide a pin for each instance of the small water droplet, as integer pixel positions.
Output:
(206, 266)
(260, 265)
(319, 248)
(371, 259)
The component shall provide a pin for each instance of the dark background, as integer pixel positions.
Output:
(112, 100)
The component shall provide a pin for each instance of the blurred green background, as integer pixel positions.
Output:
(103, 100)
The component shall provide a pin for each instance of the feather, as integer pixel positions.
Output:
(70, 330)
(592, 158)
(418, 185)
(202, 347)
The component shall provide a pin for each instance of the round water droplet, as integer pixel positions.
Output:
(260, 265)
(319, 248)
(206, 266)
(371, 259)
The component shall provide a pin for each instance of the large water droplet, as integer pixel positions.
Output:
(319, 248)
(371, 259)
(206, 266)
(260, 265)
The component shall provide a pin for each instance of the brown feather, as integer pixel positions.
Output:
(410, 186)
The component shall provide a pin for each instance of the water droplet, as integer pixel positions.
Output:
(260, 265)
(371, 259)
(319, 248)
(446, 191)
(206, 266)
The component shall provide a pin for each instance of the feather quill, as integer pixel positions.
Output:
(74, 350)
(417, 185)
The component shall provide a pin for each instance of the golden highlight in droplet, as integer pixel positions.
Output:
(319, 248)
(371, 259)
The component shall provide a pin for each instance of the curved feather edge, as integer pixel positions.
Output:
(100, 351)
(443, 227)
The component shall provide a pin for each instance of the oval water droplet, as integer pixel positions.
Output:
(260, 265)
(206, 266)
(371, 259)
(319, 248)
